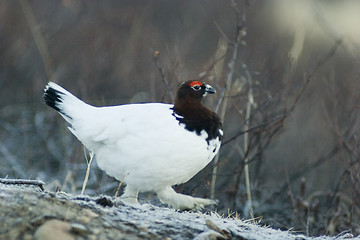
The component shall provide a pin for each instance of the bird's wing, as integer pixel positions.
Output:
(108, 126)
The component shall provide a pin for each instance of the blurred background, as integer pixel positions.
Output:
(287, 70)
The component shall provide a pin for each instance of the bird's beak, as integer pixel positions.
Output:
(209, 89)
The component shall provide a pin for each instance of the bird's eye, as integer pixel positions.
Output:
(196, 87)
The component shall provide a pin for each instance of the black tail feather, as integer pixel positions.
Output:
(52, 97)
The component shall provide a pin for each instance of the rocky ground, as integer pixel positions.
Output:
(28, 212)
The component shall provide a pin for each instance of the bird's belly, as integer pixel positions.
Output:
(149, 169)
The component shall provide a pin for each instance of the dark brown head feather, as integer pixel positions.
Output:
(190, 111)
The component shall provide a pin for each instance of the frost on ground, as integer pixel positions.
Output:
(28, 212)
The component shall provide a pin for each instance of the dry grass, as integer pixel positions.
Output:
(304, 83)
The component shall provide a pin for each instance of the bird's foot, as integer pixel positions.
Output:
(129, 200)
(198, 203)
(130, 196)
(181, 201)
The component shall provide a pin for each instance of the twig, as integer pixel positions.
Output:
(321, 62)
(162, 74)
(69, 179)
(38, 37)
(231, 67)
(12, 161)
(222, 100)
(300, 173)
(217, 65)
(221, 32)
(291, 195)
(38, 183)
(224, 234)
(88, 162)
(275, 119)
(120, 184)
(246, 145)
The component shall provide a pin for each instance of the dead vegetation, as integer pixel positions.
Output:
(288, 96)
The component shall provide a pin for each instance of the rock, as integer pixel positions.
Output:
(55, 230)
(87, 215)
(210, 235)
(79, 229)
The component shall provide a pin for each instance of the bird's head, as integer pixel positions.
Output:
(193, 91)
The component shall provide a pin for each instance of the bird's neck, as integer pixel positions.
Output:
(188, 108)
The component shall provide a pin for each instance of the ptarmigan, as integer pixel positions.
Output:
(150, 146)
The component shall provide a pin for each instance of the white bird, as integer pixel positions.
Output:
(150, 146)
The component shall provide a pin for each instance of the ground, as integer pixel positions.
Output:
(29, 212)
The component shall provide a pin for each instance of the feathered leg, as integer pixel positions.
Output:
(181, 201)
(130, 196)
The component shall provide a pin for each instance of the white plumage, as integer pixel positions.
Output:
(143, 144)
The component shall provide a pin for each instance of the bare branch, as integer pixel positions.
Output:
(321, 62)
(321, 160)
(264, 124)
(88, 162)
(228, 80)
(162, 74)
(38, 38)
(38, 183)
(297, 98)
